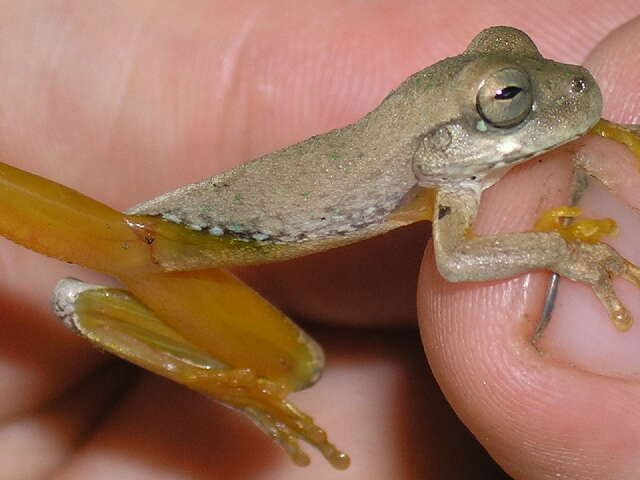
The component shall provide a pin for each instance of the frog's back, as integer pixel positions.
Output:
(334, 184)
(326, 185)
(347, 181)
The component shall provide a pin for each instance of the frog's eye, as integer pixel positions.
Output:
(504, 98)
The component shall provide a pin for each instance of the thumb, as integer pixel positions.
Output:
(567, 406)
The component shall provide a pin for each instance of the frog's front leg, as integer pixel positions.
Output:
(462, 257)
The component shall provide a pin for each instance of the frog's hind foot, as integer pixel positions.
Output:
(116, 321)
(631, 273)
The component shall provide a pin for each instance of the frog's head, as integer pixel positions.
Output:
(505, 103)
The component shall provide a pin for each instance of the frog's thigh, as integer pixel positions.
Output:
(117, 321)
(223, 316)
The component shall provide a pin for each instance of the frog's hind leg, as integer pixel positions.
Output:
(183, 325)
(118, 322)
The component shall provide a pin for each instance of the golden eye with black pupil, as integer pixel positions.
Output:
(504, 99)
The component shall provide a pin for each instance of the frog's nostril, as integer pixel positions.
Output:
(578, 85)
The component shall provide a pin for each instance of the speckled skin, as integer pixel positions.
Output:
(331, 184)
(348, 179)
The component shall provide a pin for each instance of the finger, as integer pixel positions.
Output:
(104, 106)
(616, 75)
(562, 407)
(55, 430)
(599, 348)
(39, 359)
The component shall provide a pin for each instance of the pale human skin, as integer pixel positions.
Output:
(61, 364)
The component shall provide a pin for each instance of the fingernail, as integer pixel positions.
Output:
(580, 333)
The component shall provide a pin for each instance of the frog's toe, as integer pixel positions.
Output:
(277, 417)
(287, 438)
(631, 273)
(618, 313)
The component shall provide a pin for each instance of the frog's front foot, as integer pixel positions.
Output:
(598, 264)
(573, 251)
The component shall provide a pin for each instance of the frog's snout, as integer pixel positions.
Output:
(583, 95)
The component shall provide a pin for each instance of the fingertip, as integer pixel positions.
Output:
(612, 64)
(510, 392)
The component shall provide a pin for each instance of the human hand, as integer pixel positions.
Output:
(125, 101)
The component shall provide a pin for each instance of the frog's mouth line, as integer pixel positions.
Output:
(515, 161)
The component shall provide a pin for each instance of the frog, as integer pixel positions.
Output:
(426, 153)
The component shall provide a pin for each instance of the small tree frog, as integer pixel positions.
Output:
(426, 152)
